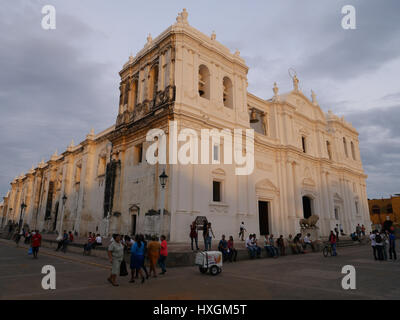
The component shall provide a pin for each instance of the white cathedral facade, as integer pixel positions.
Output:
(306, 162)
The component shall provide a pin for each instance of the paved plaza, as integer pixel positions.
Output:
(309, 276)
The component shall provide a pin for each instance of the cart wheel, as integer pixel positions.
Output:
(203, 270)
(214, 270)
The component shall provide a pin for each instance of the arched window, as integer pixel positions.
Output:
(353, 152)
(153, 82)
(204, 82)
(328, 149)
(376, 209)
(389, 208)
(228, 93)
(345, 147)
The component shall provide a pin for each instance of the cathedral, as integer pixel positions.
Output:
(305, 162)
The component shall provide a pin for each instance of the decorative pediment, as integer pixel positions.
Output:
(337, 197)
(218, 172)
(266, 185)
(309, 182)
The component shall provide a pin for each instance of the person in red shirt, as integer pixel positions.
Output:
(332, 241)
(163, 254)
(36, 242)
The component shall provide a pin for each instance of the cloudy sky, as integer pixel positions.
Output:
(55, 85)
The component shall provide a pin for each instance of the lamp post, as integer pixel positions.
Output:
(23, 206)
(64, 200)
(163, 181)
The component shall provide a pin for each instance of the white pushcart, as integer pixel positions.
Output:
(209, 261)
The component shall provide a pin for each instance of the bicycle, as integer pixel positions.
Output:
(327, 250)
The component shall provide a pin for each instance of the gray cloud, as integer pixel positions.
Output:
(56, 85)
(380, 148)
(49, 92)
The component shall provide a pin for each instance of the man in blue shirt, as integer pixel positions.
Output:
(223, 247)
(392, 248)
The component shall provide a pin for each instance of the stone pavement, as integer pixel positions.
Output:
(180, 254)
(309, 276)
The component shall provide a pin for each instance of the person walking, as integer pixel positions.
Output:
(379, 245)
(223, 248)
(194, 235)
(115, 255)
(392, 246)
(333, 243)
(209, 236)
(385, 242)
(242, 229)
(142, 239)
(373, 244)
(36, 242)
(65, 242)
(137, 259)
(17, 237)
(153, 253)
(363, 230)
(205, 228)
(163, 254)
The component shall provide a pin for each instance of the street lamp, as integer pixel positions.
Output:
(23, 206)
(163, 181)
(64, 199)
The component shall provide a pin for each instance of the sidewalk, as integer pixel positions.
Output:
(179, 254)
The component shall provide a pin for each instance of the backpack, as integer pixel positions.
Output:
(378, 238)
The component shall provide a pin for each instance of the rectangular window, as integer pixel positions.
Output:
(337, 213)
(303, 143)
(138, 154)
(216, 152)
(216, 191)
(328, 148)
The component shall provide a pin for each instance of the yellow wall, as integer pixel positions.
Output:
(383, 205)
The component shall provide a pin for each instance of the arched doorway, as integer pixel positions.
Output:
(307, 207)
(134, 213)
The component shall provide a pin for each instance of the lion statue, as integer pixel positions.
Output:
(311, 222)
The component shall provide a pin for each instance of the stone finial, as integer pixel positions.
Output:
(32, 169)
(55, 155)
(91, 134)
(314, 98)
(184, 15)
(71, 145)
(130, 58)
(149, 39)
(275, 89)
(179, 18)
(237, 53)
(295, 83)
(213, 36)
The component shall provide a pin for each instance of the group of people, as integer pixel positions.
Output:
(31, 237)
(155, 251)
(208, 234)
(64, 240)
(275, 248)
(381, 242)
(93, 241)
